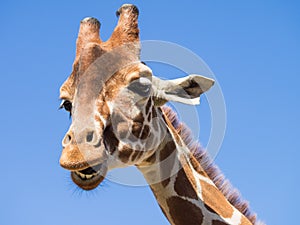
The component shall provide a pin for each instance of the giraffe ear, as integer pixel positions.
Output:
(186, 90)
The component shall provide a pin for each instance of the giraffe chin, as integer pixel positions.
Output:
(88, 179)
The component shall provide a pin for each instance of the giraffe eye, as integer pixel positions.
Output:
(67, 105)
(141, 87)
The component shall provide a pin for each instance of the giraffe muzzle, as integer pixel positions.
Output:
(81, 150)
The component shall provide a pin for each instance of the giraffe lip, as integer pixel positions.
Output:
(90, 171)
(90, 177)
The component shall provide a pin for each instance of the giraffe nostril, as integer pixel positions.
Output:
(89, 136)
(67, 140)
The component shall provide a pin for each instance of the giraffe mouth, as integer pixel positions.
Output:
(90, 177)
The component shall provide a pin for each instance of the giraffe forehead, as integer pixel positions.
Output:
(96, 64)
(92, 79)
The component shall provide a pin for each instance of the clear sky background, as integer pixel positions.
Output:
(251, 46)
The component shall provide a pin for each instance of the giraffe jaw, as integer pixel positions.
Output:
(90, 177)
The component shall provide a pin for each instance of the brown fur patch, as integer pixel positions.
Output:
(139, 118)
(168, 150)
(125, 153)
(136, 129)
(136, 155)
(183, 186)
(166, 182)
(209, 209)
(149, 117)
(215, 200)
(217, 222)
(167, 158)
(154, 113)
(151, 159)
(184, 212)
(145, 132)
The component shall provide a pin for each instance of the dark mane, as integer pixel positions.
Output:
(214, 173)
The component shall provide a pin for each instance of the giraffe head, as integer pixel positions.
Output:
(114, 101)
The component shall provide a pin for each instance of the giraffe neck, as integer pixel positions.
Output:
(183, 190)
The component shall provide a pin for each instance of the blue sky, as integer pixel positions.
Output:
(251, 46)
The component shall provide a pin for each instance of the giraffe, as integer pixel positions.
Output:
(119, 119)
